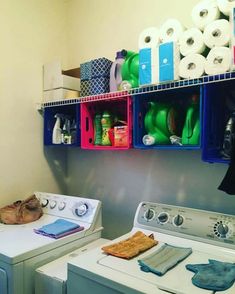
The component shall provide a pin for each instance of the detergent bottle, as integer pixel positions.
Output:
(130, 71)
(159, 124)
(115, 71)
(106, 123)
(97, 129)
(57, 132)
(191, 129)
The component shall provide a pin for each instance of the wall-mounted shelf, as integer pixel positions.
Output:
(148, 89)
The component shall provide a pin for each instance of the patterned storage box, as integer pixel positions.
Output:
(99, 86)
(85, 71)
(100, 67)
(85, 88)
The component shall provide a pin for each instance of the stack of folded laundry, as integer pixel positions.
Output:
(59, 228)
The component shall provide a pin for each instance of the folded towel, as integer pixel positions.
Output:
(132, 246)
(166, 257)
(216, 275)
(59, 228)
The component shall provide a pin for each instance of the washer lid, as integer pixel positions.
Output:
(19, 242)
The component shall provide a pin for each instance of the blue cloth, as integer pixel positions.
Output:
(215, 275)
(58, 227)
(166, 257)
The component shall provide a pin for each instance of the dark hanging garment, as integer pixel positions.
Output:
(228, 182)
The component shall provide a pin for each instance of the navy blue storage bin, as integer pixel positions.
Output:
(180, 99)
(73, 111)
(217, 110)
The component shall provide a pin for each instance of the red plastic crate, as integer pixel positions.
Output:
(119, 106)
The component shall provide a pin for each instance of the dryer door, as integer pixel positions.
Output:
(3, 281)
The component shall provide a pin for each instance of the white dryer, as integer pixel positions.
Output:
(211, 235)
(22, 250)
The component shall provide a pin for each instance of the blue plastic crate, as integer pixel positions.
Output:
(72, 111)
(216, 114)
(178, 98)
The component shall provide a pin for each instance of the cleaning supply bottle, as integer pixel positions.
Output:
(130, 70)
(106, 123)
(159, 124)
(115, 71)
(97, 129)
(191, 129)
(57, 132)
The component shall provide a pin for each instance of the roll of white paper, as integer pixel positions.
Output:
(217, 33)
(191, 42)
(171, 30)
(204, 13)
(192, 66)
(149, 38)
(218, 61)
(226, 6)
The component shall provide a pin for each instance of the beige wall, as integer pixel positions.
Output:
(101, 27)
(32, 32)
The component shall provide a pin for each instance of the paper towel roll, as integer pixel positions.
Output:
(204, 13)
(149, 38)
(171, 30)
(218, 61)
(191, 41)
(192, 66)
(226, 6)
(217, 33)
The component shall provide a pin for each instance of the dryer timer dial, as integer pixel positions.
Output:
(80, 209)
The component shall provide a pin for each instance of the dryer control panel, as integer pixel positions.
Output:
(186, 222)
(72, 207)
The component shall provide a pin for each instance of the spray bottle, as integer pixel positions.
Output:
(57, 132)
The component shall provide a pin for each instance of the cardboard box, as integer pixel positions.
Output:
(59, 94)
(54, 77)
(121, 136)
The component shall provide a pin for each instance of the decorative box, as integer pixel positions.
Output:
(85, 88)
(100, 67)
(85, 71)
(99, 86)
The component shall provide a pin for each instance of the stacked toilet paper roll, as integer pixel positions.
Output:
(149, 37)
(226, 6)
(192, 66)
(204, 13)
(191, 42)
(217, 33)
(171, 30)
(218, 61)
(148, 56)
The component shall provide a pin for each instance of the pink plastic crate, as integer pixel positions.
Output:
(119, 106)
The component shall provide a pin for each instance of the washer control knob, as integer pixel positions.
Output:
(222, 230)
(149, 214)
(44, 202)
(61, 205)
(178, 220)
(81, 209)
(52, 204)
(163, 217)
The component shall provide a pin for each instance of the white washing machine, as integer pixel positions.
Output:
(22, 250)
(211, 235)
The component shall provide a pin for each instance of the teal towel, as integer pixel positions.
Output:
(58, 227)
(166, 257)
(215, 275)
